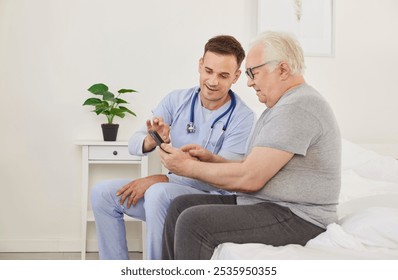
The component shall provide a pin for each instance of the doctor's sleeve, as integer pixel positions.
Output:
(237, 137)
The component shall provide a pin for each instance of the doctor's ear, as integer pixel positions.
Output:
(200, 63)
(237, 75)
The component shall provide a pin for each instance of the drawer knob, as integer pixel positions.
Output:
(115, 153)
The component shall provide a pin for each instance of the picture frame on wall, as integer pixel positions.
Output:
(312, 21)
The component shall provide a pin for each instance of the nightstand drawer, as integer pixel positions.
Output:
(110, 153)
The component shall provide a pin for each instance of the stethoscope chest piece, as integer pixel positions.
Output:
(190, 127)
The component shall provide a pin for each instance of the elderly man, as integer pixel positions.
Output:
(288, 185)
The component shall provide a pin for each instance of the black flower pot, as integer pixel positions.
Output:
(109, 131)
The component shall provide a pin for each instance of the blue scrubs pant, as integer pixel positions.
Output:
(152, 208)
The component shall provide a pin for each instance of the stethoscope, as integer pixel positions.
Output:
(231, 108)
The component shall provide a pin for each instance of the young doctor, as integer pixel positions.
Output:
(210, 115)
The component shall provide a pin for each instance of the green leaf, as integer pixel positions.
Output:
(127, 110)
(120, 101)
(123, 90)
(102, 106)
(99, 111)
(92, 101)
(108, 96)
(98, 88)
(118, 112)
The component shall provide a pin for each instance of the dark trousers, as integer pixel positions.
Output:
(196, 224)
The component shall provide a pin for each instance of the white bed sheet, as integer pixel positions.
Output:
(368, 216)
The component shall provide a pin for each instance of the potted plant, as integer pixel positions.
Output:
(108, 104)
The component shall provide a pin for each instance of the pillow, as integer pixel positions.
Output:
(368, 163)
(354, 186)
(375, 226)
(353, 155)
(388, 200)
(383, 168)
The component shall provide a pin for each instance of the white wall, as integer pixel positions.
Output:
(360, 80)
(51, 51)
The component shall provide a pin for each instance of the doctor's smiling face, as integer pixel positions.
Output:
(217, 74)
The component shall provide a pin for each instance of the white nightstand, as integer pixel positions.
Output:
(101, 152)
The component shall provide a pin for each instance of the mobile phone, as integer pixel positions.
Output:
(156, 137)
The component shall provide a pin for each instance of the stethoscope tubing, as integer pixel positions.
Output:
(231, 108)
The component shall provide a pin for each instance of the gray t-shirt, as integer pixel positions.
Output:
(302, 123)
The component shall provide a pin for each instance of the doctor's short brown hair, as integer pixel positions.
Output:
(226, 45)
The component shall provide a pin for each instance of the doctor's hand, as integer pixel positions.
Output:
(136, 189)
(175, 160)
(157, 124)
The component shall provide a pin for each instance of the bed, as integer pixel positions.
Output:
(368, 216)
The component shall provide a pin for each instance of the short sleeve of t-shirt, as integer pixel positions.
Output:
(288, 128)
